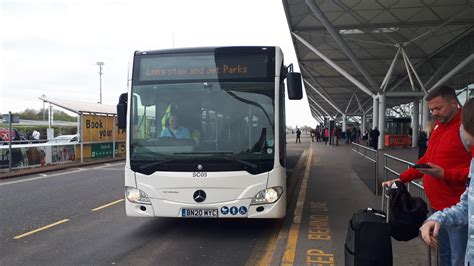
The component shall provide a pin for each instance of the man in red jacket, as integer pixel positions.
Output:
(449, 162)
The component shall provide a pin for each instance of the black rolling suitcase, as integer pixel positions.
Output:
(368, 241)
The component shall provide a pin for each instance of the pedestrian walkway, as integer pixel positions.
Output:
(333, 193)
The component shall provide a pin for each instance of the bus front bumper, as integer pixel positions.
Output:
(231, 209)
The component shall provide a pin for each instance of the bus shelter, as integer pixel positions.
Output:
(99, 136)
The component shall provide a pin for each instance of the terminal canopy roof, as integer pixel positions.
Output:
(79, 107)
(362, 37)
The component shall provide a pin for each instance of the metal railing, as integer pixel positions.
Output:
(394, 166)
(364, 164)
(46, 153)
(17, 142)
(33, 155)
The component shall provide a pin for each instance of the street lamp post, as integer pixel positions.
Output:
(100, 64)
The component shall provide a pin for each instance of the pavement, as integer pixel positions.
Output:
(316, 232)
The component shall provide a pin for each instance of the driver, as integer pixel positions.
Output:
(175, 130)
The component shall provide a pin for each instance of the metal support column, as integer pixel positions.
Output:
(425, 116)
(81, 135)
(375, 112)
(319, 106)
(442, 67)
(50, 115)
(414, 123)
(344, 73)
(358, 103)
(316, 114)
(387, 77)
(344, 122)
(364, 119)
(453, 72)
(335, 35)
(113, 135)
(420, 115)
(314, 109)
(407, 61)
(408, 72)
(309, 97)
(324, 97)
(381, 121)
(349, 104)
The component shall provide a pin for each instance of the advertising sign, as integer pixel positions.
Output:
(100, 128)
(100, 150)
(38, 155)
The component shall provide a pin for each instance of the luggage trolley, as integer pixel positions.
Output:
(415, 189)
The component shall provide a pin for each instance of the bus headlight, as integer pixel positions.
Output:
(136, 196)
(269, 195)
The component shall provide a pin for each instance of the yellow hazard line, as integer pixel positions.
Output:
(290, 249)
(107, 205)
(264, 257)
(41, 229)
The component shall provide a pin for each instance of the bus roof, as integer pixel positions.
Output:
(195, 49)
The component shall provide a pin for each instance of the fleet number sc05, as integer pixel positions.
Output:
(199, 174)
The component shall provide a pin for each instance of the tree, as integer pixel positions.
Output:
(305, 128)
(32, 114)
(29, 114)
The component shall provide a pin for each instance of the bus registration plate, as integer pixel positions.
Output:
(199, 213)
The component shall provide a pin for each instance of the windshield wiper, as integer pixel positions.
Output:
(206, 153)
(225, 156)
(153, 164)
(254, 104)
(254, 166)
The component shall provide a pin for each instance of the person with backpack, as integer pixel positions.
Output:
(461, 213)
(448, 161)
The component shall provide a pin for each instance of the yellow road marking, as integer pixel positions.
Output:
(267, 253)
(107, 205)
(41, 229)
(290, 250)
(264, 258)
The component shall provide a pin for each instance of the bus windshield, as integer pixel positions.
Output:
(211, 110)
(176, 125)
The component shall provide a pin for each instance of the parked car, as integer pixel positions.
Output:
(64, 139)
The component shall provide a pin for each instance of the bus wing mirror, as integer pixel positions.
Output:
(122, 111)
(295, 89)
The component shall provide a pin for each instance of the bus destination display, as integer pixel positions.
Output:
(202, 67)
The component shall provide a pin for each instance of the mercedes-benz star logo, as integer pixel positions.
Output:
(199, 167)
(199, 196)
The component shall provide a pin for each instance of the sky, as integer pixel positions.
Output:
(51, 47)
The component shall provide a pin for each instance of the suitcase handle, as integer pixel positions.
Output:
(385, 201)
(376, 212)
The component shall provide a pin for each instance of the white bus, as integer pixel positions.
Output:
(206, 132)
